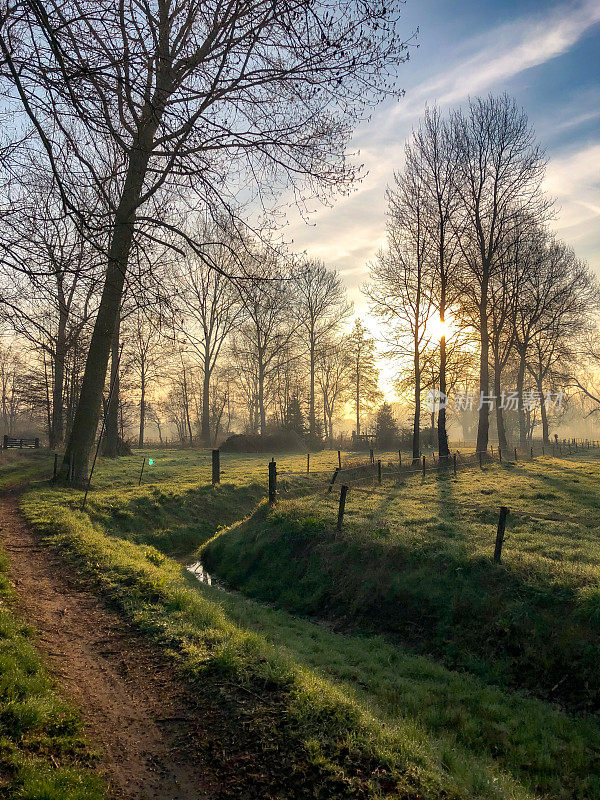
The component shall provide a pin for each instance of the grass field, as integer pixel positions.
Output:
(344, 699)
(42, 752)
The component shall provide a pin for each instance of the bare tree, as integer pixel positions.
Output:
(176, 97)
(50, 276)
(401, 289)
(334, 376)
(208, 310)
(498, 177)
(431, 155)
(322, 308)
(365, 375)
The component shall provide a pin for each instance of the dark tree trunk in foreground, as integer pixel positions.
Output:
(483, 424)
(87, 414)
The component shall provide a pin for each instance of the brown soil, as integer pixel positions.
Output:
(142, 719)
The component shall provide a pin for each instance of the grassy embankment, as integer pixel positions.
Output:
(42, 752)
(416, 565)
(335, 715)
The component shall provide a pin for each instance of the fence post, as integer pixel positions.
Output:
(399, 458)
(342, 507)
(340, 459)
(423, 466)
(500, 534)
(379, 471)
(515, 455)
(55, 470)
(142, 471)
(454, 462)
(371, 456)
(216, 467)
(532, 453)
(334, 476)
(272, 482)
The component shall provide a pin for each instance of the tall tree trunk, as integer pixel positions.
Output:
(443, 450)
(110, 447)
(261, 400)
(205, 425)
(312, 420)
(544, 414)
(142, 407)
(416, 437)
(357, 403)
(57, 427)
(87, 414)
(502, 439)
(521, 406)
(483, 425)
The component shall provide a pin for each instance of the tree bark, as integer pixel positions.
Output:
(205, 426)
(142, 406)
(87, 414)
(544, 414)
(110, 446)
(502, 439)
(416, 437)
(57, 427)
(521, 406)
(483, 425)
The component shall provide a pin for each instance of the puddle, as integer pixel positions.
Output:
(199, 573)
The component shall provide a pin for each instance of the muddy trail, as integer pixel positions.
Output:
(158, 736)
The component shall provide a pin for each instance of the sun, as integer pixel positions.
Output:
(436, 328)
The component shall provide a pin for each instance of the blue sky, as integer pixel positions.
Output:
(545, 54)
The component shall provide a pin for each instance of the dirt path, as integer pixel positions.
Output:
(135, 712)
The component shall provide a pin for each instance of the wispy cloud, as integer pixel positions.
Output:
(506, 51)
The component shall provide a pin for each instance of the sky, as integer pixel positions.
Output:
(545, 54)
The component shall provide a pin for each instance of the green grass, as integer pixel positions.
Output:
(346, 715)
(42, 753)
(415, 564)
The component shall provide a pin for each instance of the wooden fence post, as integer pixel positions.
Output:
(272, 482)
(334, 476)
(371, 456)
(342, 507)
(532, 452)
(379, 470)
(399, 458)
(216, 467)
(515, 455)
(142, 471)
(340, 459)
(308, 463)
(500, 534)
(423, 466)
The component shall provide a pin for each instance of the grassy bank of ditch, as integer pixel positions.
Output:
(335, 715)
(415, 563)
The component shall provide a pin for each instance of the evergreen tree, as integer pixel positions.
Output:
(386, 428)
